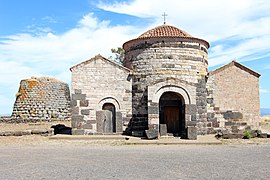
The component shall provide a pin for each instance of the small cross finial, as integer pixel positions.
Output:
(164, 16)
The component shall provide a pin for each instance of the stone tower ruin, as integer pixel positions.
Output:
(42, 99)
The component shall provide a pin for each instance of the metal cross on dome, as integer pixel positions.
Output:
(164, 16)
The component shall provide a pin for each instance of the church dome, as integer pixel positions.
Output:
(164, 31)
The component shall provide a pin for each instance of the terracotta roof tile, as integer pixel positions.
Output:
(164, 31)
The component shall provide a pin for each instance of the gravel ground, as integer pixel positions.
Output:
(44, 159)
(37, 157)
(31, 126)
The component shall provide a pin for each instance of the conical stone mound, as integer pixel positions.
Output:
(42, 99)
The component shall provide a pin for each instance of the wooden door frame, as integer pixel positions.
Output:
(173, 103)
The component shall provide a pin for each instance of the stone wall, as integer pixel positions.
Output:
(233, 96)
(42, 99)
(154, 61)
(94, 83)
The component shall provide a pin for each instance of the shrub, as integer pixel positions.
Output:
(247, 134)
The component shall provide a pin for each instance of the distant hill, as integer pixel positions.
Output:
(265, 111)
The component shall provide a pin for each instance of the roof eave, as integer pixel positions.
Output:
(241, 66)
(99, 57)
(145, 38)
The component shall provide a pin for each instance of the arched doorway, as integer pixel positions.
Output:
(110, 121)
(172, 113)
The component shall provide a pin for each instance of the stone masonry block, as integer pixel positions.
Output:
(233, 115)
(100, 117)
(193, 117)
(75, 110)
(87, 126)
(77, 118)
(73, 103)
(191, 133)
(76, 121)
(85, 111)
(151, 134)
(187, 117)
(78, 91)
(153, 110)
(191, 123)
(78, 96)
(153, 126)
(84, 103)
(119, 122)
(138, 133)
(191, 109)
(163, 129)
(77, 132)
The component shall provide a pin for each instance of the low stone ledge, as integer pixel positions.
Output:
(241, 134)
(77, 131)
(263, 135)
(39, 131)
(10, 119)
(232, 136)
(26, 132)
(17, 133)
(8, 133)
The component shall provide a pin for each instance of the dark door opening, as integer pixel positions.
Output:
(109, 125)
(172, 113)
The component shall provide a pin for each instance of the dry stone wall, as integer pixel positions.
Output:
(42, 98)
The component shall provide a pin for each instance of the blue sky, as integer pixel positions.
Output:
(46, 38)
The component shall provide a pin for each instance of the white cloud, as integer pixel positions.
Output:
(209, 18)
(26, 55)
(236, 29)
(12, 71)
(89, 21)
(245, 21)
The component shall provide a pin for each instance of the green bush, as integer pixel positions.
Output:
(247, 134)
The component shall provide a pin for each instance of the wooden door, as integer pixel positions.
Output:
(171, 118)
(110, 123)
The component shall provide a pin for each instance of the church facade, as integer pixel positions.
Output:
(163, 85)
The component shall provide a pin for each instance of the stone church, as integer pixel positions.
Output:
(163, 85)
